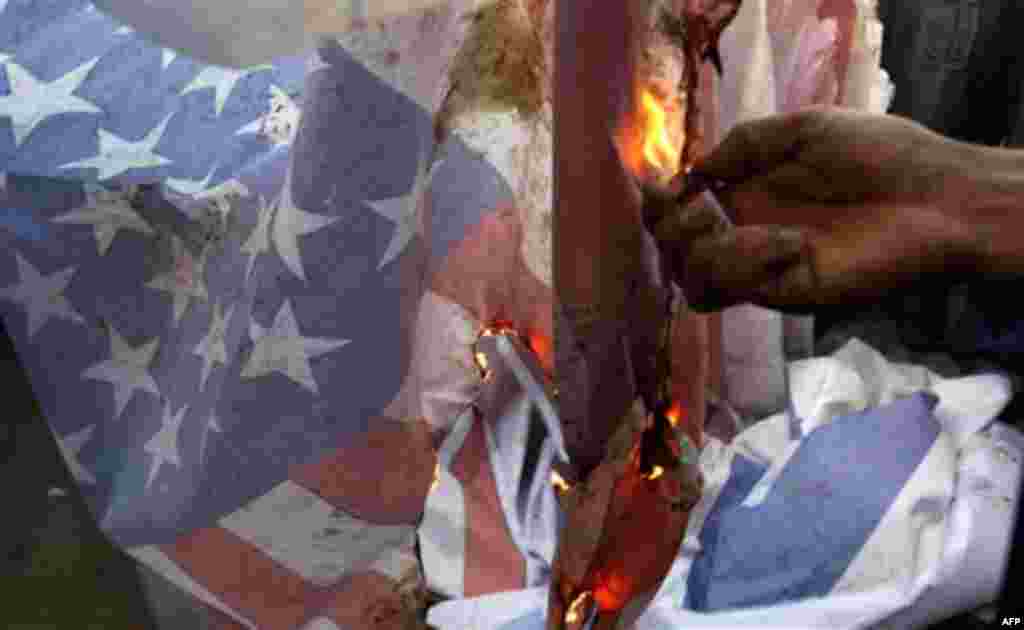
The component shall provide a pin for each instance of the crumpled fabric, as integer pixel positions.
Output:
(290, 536)
(506, 519)
(943, 537)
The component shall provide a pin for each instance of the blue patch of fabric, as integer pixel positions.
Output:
(23, 223)
(743, 476)
(818, 515)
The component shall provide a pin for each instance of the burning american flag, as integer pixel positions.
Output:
(247, 302)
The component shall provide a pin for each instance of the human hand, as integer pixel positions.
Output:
(830, 206)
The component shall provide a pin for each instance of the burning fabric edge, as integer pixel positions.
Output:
(473, 538)
(482, 120)
(621, 312)
(487, 112)
(952, 551)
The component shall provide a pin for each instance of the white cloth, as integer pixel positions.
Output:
(946, 535)
(225, 33)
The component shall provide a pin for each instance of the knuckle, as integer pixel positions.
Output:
(811, 116)
(744, 135)
(812, 120)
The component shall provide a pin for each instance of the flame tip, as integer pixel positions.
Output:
(437, 477)
(674, 414)
(649, 146)
(657, 148)
(481, 360)
(559, 482)
(574, 613)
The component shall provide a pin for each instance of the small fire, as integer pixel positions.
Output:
(559, 482)
(437, 477)
(575, 613)
(479, 358)
(649, 139)
(481, 361)
(674, 414)
(612, 592)
(658, 149)
(541, 346)
(656, 472)
(537, 343)
(498, 328)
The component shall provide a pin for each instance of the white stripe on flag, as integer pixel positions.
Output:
(969, 404)
(442, 532)
(499, 136)
(321, 623)
(508, 462)
(398, 564)
(490, 611)
(854, 610)
(424, 53)
(907, 543)
(445, 376)
(309, 536)
(169, 569)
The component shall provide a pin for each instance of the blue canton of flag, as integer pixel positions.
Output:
(215, 305)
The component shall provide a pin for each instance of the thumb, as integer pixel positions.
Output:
(758, 146)
(688, 223)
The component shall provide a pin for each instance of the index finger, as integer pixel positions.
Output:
(687, 223)
(759, 146)
(685, 188)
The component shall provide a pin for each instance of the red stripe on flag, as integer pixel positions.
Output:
(245, 579)
(368, 601)
(486, 275)
(382, 476)
(492, 561)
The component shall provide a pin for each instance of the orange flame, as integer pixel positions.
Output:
(646, 140)
(674, 413)
(481, 361)
(612, 592)
(575, 613)
(559, 482)
(498, 327)
(437, 477)
(658, 149)
(541, 346)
